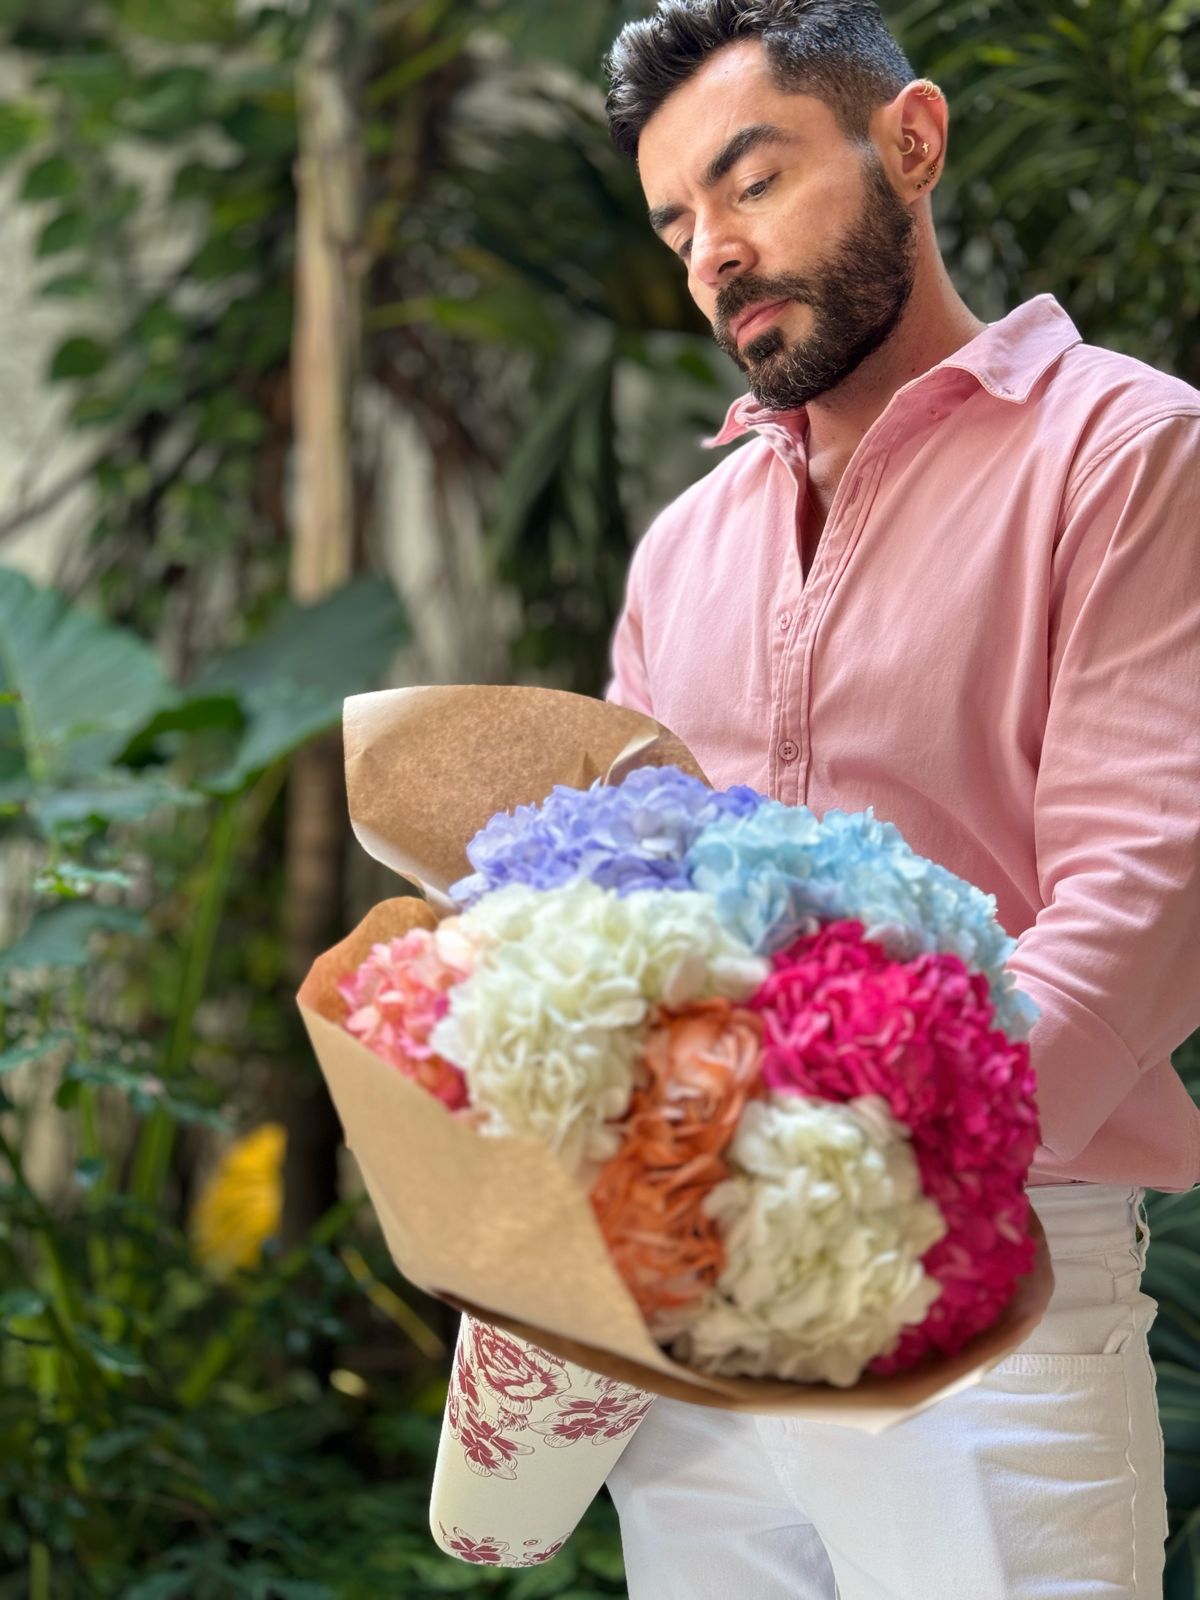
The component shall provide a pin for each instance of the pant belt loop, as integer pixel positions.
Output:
(1137, 1196)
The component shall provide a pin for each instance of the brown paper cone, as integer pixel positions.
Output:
(496, 1226)
(426, 768)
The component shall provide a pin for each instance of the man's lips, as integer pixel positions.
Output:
(755, 319)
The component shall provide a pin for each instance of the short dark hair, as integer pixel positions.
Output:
(838, 50)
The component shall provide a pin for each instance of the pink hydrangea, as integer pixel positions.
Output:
(395, 998)
(842, 1018)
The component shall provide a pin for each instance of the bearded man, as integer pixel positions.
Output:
(956, 577)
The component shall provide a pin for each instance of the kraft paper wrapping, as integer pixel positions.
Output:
(496, 1226)
(426, 768)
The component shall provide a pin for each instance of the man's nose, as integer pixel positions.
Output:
(718, 257)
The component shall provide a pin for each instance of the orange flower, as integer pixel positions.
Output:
(699, 1066)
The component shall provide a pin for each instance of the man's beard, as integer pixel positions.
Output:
(857, 301)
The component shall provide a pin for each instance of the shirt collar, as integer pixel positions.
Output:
(1007, 359)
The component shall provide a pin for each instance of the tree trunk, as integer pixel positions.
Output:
(326, 548)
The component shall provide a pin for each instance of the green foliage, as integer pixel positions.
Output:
(301, 667)
(64, 724)
(1172, 1277)
(126, 1445)
(266, 1483)
(1074, 161)
(161, 1433)
(189, 376)
(539, 226)
(61, 936)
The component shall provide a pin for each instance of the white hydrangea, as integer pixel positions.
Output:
(548, 1025)
(824, 1224)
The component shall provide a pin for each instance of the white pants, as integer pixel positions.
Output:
(1042, 1482)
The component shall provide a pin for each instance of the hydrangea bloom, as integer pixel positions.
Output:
(548, 1025)
(396, 997)
(841, 1020)
(782, 1054)
(627, 836)
(778, 871)
(700, 1067)
(824, 1225)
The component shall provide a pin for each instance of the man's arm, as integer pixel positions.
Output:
(1113, 960)
(628, 685)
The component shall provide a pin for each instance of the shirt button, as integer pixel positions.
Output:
(788, 751)
(785, 621)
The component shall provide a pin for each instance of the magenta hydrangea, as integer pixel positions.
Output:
(841, 1018)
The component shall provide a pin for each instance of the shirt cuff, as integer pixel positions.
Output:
(1084, 1070)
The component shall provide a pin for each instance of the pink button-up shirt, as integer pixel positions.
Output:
(998, 648)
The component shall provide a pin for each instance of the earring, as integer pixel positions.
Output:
(928, 178)
(911, 146)
(924, 147)
(928, 89)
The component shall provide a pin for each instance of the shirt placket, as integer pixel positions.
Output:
(790, 755)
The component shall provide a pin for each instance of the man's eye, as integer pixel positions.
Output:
(754, 192)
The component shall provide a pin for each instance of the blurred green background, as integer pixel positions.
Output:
(339, 355)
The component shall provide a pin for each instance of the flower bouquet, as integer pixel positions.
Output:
(678, 1091)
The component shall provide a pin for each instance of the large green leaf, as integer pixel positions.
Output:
(62, 936)
(85, 686)
(1172, 1277)
(1173, 1270)
(184, 22)
(539, 462)
(195, 714)
(78, 357)
(20, 127)
(51, 179)
(292, 678)
(121, 798)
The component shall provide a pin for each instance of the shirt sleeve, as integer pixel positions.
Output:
(628, 685)
(1113, 959)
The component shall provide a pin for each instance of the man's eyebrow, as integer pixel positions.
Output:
(726, 158)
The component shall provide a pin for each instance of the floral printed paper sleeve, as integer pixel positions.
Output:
(527, 1440)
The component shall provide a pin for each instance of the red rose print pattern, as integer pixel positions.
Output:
(487, 1552)
(489, 1452)
(594, 1417)
(490, 1552)
(501, 1386)
(515, 1375)
(511, 1408)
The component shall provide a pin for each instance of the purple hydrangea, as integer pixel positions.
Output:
(631, 835)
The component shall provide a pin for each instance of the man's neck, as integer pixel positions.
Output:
(932, 328)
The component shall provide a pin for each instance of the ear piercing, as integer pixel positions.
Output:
(928, 90)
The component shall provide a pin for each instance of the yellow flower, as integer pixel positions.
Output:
(239, 1208)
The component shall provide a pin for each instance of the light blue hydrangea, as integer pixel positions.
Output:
(780, 871)
(626, 836)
